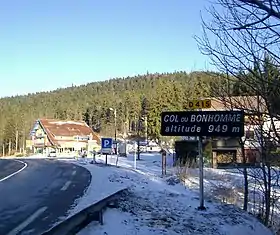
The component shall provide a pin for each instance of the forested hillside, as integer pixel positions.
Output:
(132, 97)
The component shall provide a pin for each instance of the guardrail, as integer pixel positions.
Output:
(77, 222)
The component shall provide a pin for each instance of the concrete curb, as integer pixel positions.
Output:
(77, 222)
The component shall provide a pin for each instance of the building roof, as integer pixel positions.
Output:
(246, 103)
(65, 128)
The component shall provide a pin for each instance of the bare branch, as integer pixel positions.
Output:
(252, 24)
(260, 4)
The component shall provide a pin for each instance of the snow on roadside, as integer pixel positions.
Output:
(98, 189)
(149, 164)
(154, 206)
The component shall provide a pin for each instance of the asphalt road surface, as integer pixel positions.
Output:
(35, 194)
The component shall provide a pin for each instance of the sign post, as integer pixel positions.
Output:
(200, 104)
(135, 155)
(201, 186)
(200, 124)
(106, 147)
(163, 162)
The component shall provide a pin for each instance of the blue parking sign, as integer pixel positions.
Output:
(106, 143)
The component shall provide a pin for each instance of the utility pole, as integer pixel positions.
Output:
(125, 137)
(146, 131)
(115, 122)
(115, 116)
(3, 150)
(138, 139)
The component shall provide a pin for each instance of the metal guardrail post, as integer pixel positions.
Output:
(101, 217)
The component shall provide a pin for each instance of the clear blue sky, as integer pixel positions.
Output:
(50, 44)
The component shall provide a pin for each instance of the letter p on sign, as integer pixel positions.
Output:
(106, 143)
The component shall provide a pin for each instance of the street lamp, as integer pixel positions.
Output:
(115, 118)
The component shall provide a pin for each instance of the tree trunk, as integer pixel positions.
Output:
(267, 196)
(16, 141)
(246, 189)
(10, 146)
(138, 149)
(245, 174)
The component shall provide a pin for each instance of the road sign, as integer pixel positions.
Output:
(106, 145)
(199, 104)
(203, 123)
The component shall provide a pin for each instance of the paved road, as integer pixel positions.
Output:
(33, 199)
(8, 167)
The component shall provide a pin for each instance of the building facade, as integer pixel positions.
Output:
(228, 151)
(62, 136)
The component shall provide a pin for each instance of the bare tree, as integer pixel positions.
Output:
(255, 140)
(241, 37)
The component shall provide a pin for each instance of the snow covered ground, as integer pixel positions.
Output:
(219, 185)
(157, 205)
(227, 186)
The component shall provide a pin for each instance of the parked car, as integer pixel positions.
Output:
(52, 153)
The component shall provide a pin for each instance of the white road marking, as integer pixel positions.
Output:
(28, 221)
(66, 185)
(74, 172)
(9, 176)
